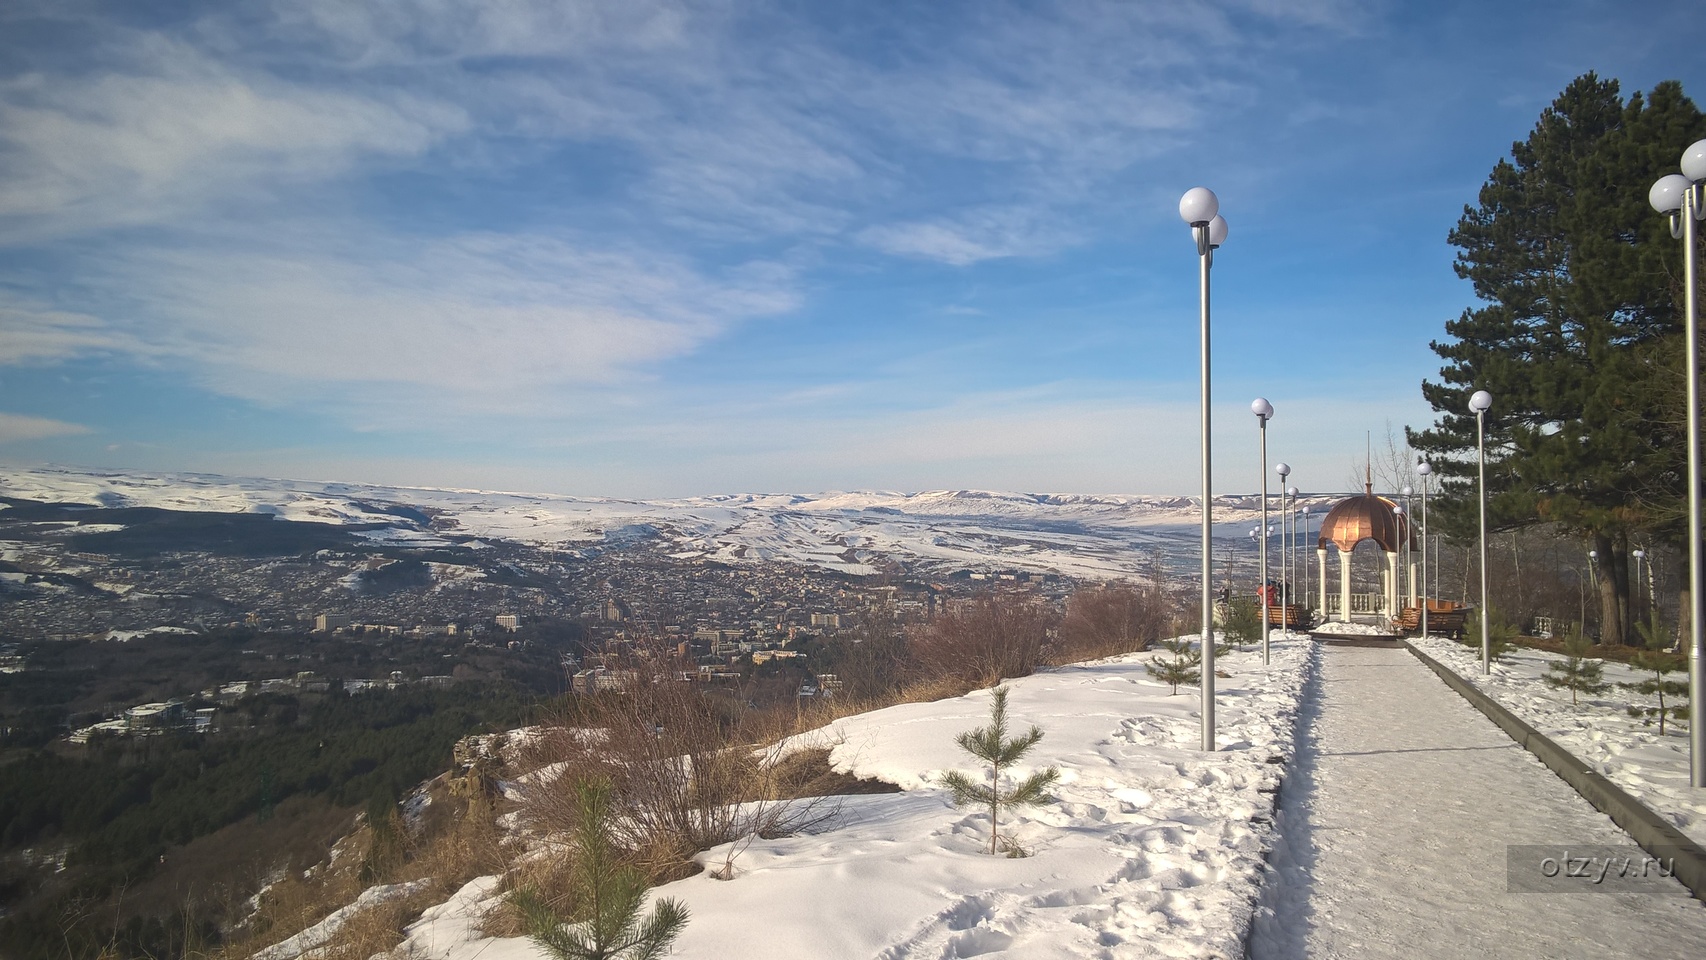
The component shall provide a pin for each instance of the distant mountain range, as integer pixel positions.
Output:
(1087, 536)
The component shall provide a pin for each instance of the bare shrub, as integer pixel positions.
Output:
(685, 772)
(983, 641)
(1112, 619)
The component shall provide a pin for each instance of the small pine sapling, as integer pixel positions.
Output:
(1500, 634)
(606, 894)
(1577, 672)
(1181, 667)
(991, 745)
(1656, 661)
(1243, 623)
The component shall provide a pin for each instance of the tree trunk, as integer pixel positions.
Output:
(1605, 575)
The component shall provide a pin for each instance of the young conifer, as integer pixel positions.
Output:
(1576, 673)
(606, 895)
(991, 745)
(1656, 661)
(1181, 666)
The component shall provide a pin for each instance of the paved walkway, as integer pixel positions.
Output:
(1395, 829)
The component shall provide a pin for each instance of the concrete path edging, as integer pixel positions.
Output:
(1644, 826)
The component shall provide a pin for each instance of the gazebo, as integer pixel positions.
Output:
(1350, 522)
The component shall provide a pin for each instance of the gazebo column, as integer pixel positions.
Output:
(1344, 585)
(1391, 583)
(1413, 601)
(1321, 558)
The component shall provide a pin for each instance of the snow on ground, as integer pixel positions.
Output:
(1598, 730)
(1395, 826)
(1342, 628)
(1095, 537)
(125, 636)
(319, 933)
(1153, 848)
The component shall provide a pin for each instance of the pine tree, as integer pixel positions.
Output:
(1655, 660)
(1182, 666)
(1579, 311)
(1243, 623)
(1500, 634)
(1577, 672)
(606, 894)
(991, 745)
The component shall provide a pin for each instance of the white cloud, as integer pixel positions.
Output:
(34, 333)
(16, 427)
(174, 130)
(478, 321)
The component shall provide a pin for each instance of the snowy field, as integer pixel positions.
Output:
(1153, 848)
(1598, 730)
(1094, 537)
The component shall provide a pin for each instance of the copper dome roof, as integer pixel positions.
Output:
(1368, 517)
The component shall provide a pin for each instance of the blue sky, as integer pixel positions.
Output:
(657, 248)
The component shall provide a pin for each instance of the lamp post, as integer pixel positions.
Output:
(1398, 574)
(1284, 470)
(1637, 555)
(1291, 542)
(1200, 208)
(1303, 561)
(1481, 402)
(1264, 412)
(1409, 550)
(1683, 197)
(1424, 468)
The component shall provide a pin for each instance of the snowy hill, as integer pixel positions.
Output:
(853, 532)
(1152, 848)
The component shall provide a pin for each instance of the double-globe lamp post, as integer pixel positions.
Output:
(1264, 412)
(1292, 542)
(1424, 468)
(1200, 208)
(1683, 197)
(1481, 402)
(1284, 470)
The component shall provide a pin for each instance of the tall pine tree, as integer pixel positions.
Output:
(1577, 308)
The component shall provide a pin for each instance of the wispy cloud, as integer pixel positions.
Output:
(486, 322)
(34, 333)
(169, 130)
(16, 427)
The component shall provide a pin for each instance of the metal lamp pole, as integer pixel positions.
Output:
(1291, 541)
(1398, 574)
(1424, 468)
(1200, 208)
(1264, 412)
(1683, 197)
(1284, 470)
(1480, 403)
(1303, 544)
(1637, 555)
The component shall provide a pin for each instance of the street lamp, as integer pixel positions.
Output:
(1264, 412)
(1303, 561)
(1200, 208)
(1284, 470)
(1637, 554)
(1425, 469)
(1480, 403)
(1398, 573)
(1683, 197)
(1409, 551)
(1291, 541)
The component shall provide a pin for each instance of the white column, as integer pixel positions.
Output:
(1391, 584)
(1345, 585)
(1412, 583)
(1321, 559)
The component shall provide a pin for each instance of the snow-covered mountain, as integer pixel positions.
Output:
(854, 532)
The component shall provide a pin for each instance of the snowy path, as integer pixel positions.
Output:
(1395, 829)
